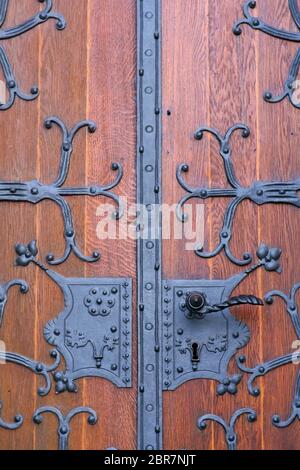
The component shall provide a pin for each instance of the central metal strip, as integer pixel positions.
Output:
(149, 246)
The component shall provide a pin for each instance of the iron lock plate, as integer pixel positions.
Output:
(195, 347)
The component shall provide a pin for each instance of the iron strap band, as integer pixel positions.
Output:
(149, 250)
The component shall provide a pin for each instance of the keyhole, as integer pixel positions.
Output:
(195, 352)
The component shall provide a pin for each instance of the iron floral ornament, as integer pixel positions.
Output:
(259, 192)
(259, 24)
(37, 19)
(34, 191)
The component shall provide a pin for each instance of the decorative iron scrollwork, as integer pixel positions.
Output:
(259, 193)
(18, 421)
(200, 344)
(64, 429)
(231, 436)
(4, 288)
(290, 358)
(37, 19)
(36, 367)
(93, 332)
(295, 413)
(34, 191)
(259, 24)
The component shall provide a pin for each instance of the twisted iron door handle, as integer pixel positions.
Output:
(197, 303)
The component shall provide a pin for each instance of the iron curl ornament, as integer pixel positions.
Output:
(261, 370)
(64, 428)
(40, 17)
(18, 421)
(35, 191)
(231, 436)
(260, 192)
(258, 24)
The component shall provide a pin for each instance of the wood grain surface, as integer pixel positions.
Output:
(86, 71)
(214, 78)
(210, 77)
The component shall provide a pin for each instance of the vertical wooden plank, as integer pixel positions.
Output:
(111, 104)
(19, 163)
(208, 81)
(63, 75)
(278, 161)
(233, 101)
(185, 106)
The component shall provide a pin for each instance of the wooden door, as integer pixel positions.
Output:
(160, 346)
(213, 78)
(85, 71)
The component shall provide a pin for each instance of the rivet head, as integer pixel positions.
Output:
(276, 419)
(11, 84)
(63, 430)
(268, 96)
(69, 233)
(34, 191)
(39, 367)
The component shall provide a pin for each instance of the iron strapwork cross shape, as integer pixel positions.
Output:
(39, 18)
(258, 24)
(35, 191)
(259, 192)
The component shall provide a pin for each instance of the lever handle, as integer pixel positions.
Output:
(196, 303)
